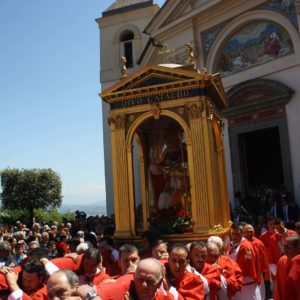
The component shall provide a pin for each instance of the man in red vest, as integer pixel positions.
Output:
(187, 284)
(228, 268)
(277, 241)
(198, 256)
(288, 271)
(261, 262)
(32, 283)
(243, 253)
(148, 282)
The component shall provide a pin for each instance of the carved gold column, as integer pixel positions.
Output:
(120, 177)
(144, 197)
(201, 185)
(223, 182)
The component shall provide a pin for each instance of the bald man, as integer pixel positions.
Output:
(241, 251)
(261, 257)
(62, 284)
(229, 269)
(148, 282)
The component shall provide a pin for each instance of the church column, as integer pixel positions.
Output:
(144, 196)
(120, 176)
(223, 193)
(201, 187)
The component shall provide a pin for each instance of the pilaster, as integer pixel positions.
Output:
(120, 176)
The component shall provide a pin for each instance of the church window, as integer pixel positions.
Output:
(126, 40)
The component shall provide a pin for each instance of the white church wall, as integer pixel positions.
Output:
(290, 77)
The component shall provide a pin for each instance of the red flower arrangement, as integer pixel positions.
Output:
(170, 221)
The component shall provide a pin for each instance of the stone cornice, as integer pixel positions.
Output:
(226, 6)
(177, 11)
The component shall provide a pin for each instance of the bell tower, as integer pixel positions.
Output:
(121, 34)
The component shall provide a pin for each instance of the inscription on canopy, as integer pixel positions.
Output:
(158, 98)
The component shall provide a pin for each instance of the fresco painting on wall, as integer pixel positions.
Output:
(253, 45)
(285, 7)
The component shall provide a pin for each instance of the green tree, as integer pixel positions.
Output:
(29, 189)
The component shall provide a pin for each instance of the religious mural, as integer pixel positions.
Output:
(286, 8)
(253, 45)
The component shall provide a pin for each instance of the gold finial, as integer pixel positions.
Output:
(164, 52)
(191, 58)
(123, 67)
(204, 70)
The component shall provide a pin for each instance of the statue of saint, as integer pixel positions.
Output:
(169, 175)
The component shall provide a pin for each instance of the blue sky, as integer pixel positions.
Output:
(50, 112)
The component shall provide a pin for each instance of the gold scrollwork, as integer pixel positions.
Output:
(131, 118)
(222, 126)
(195, 110)
(191, 57)
(155, 110)
(117, 121)
(181, 110)
(216, 228)
(210, 110)
(123, 62)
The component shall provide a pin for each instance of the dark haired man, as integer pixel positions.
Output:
(91, 267)
(187, 284)
(198, 257)
(160, 250)
(32, 281)
(129, 258)
(277, 241)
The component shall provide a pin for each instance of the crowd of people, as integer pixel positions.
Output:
(262, 202)
(73, 260)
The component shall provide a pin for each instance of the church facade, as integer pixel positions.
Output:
(254, 45)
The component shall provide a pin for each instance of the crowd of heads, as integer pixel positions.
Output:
(31, 248)
(263, 204)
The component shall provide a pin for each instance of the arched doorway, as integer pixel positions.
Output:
(258, 134)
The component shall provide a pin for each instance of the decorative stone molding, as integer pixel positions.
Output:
(255, 95)
(176, 12)
(220, 9)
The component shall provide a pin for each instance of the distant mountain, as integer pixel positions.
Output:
(90, 209)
